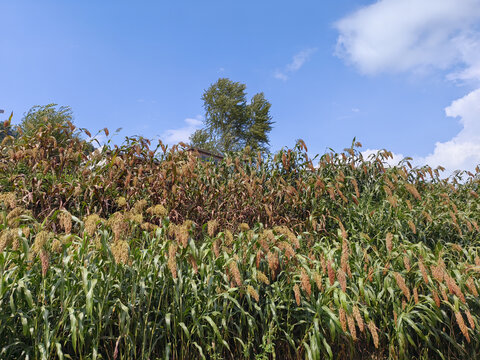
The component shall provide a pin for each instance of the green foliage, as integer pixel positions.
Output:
(7, 130)
(261, 293)
(146, 252)
(56, 120)
(39, 118)
(230, 123)
(200, 139)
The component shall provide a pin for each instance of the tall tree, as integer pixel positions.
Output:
(230, 122)
(59, 119)
(56, 120)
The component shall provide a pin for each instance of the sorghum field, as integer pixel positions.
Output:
(146, 252)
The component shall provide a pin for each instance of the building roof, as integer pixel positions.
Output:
(204, 154)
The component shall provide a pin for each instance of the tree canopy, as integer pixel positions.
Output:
(230, 122)
(40, 116)
(54, 119)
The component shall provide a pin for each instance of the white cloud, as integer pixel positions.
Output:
(401, 35)
(462, 152)
(468, 46)
(298, 61)
(418, 35)
(174, 136)
(391, 162)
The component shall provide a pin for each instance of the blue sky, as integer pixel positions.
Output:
(396, 74)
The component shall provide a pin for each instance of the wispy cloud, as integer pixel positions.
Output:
(280, 75)
(353, 113)
(182, 134)
(298, 61)
(414, 35)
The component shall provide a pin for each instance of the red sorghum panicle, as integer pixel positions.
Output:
(253, 293)
(351, 327)
(344, 258)
(262, 278)
(216, 247)
(273, 264)
(45, 263)
(406, 262)
(66, 221)
(343, 318)
(388, 241)
(413, 190)
(331, 273)
(228, 237)
(157, 210)
(373, 330)
(401, 284)
(318, 281)
(172, 262)
(471, 286)
(461, 325)
(437, 273)
(235, 273)
(120, 250)
(454, 288)
(287, 248)
(258, 258)
(41, 240)
(436, 298)
(423, 270)
(342, 280)
(470, 319)
(193, 262)
(212, 226)
(296, 291)
(90, 224)
(370, 274)
(305, 281)
(358, 317)
(244, 227)
(412, 226)
(415, 295)
(7, 238)
(9, 199)
(444, 293)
